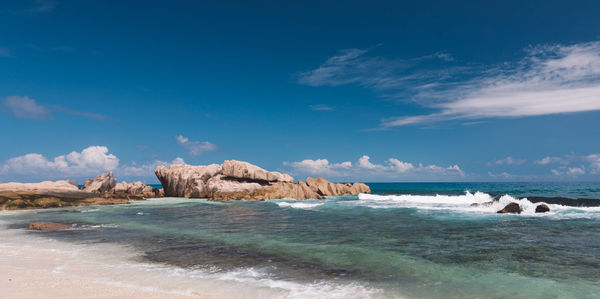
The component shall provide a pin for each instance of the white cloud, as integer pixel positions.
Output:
(321, 107)
(594, 163)
(24, 107)
(90, 161)
(549, 80)
(365, 168)
(550, 160)
(27, 108)
(146, 170)
(319, 166)
(575, 171)
(400, 166)
(364, 162)
(590, 162)
(507, 161)
(195, 147)
(503, 175)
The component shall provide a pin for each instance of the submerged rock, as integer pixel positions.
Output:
(483, 204)
(512, 208)
(241, 180)
(542, 208)
(48, 226)
(103, 183)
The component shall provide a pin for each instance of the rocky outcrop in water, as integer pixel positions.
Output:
(241, 180)
(542, 208)
(48, 226)
(511, 208)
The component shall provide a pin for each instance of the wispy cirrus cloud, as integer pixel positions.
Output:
(353, 66)
(41, 6)
(321, 107)
(195, 147)
(549, 79)
(28, 108)
(30, 8)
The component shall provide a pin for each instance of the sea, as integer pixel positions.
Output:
(405, 240)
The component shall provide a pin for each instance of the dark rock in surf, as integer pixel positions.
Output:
(511, 208)
(542, 208)
(48, 226)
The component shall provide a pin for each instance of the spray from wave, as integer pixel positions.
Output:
(478, 202)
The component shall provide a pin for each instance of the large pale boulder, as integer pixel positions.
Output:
(103, 183)
(246, 171)
(242, 180)
(45, 186)
(232, 176)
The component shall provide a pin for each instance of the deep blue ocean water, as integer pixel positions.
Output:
(413, 240)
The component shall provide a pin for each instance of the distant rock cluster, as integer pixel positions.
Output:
(235, 180)
(106, 183)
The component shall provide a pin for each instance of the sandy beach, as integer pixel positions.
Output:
(36, 273)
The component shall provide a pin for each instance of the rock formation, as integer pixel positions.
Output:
(512, 208)
(45, 186)
(98, 191)
(103, 183)
(242, 180)
(137, 189)
(542, 208)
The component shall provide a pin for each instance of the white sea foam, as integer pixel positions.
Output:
(463, 203)
(117, 265)
(299, 205)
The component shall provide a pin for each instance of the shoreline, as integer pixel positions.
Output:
(22, 277)
(32, 264)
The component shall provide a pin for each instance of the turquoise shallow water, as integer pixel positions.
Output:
(409, 240)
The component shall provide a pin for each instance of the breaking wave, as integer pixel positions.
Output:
(478, 202)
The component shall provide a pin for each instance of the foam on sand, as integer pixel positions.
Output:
(33, 265)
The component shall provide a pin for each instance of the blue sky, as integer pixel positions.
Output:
(372, 90)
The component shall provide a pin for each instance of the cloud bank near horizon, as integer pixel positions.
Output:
(364, 168)
(90, 162)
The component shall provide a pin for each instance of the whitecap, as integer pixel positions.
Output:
(299, 205)
(464, 203)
